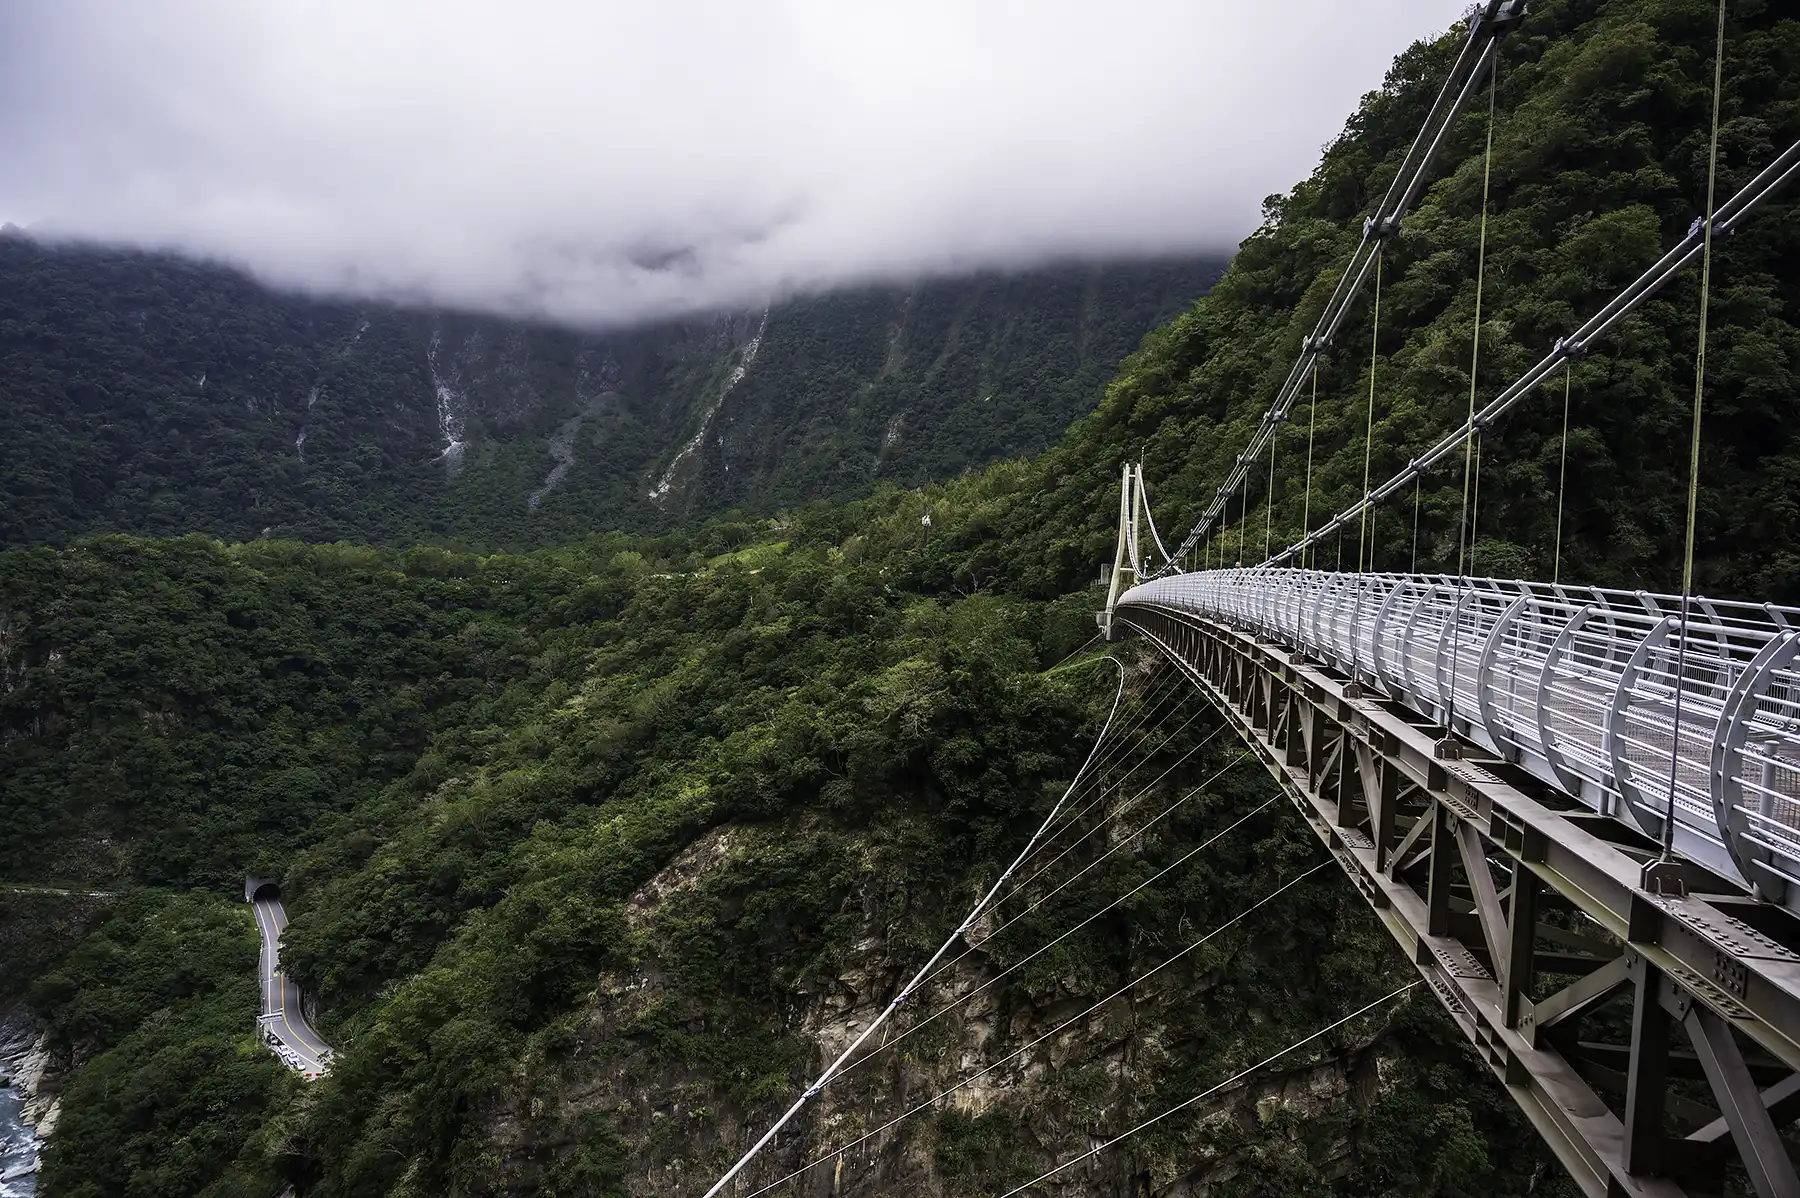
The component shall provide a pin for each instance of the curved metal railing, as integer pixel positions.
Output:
(1576, 684)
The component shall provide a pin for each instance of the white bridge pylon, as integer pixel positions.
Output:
(1129, 567)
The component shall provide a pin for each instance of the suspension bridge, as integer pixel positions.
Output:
(1576, 809)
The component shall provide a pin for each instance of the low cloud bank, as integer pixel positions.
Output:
(605, 163)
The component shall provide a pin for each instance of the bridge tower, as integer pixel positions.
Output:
(1128, 562)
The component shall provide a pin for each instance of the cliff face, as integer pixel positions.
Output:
(153, 395)
(997, 1074)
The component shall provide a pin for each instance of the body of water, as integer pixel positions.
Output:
(18, 1143)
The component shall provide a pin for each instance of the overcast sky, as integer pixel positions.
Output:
(599, 162)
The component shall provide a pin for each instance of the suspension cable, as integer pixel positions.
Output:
(1693, 496)
(1243, 521)
(1312, 425)
(1209, 1092)
(987, 1069)
(1418, 478)
(1488, 26)
(1487, 163)
(1470, 461)
(1475, 506)
(1362, 529)
(1562, 472)
(906, 990)
(1269, 507)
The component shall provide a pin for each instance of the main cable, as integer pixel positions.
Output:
(1210, 1091)
(1487, 26)
(974, 913)
(1781, 171)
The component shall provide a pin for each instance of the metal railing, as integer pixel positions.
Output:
(1575, 684)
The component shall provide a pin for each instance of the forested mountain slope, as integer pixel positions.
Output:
(595, 853)
(1600, 154)
(152, 395)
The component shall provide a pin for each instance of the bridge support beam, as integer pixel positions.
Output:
(1527, 920)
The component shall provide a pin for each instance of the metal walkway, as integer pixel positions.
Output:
(1489, 762)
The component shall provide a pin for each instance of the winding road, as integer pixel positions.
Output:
(295, 1041)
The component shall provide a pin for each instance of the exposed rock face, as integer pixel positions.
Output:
(25, 1064)
(635, 1066)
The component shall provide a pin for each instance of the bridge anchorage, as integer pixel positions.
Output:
(1489, 762)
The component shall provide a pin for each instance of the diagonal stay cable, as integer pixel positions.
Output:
(967, 951)
(1017, 889)
(1122, 808)
(1105, 771)
(1115, 746)
(1076, 816)
(1122, 842)
(1073, 652)
(1239, 1076)
(906, 990)
(986, 1069)
(1172, 682)
(1041, 950)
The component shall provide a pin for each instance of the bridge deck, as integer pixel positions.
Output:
(1579, 685)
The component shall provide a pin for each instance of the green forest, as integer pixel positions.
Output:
(151, 395)
(586, 846)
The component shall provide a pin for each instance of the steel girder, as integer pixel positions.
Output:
(1653, 1040)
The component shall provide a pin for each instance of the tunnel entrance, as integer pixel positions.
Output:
(266, 891)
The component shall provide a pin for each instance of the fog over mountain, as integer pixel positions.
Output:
(607, 162)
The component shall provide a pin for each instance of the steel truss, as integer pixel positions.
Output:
(1653, 1039)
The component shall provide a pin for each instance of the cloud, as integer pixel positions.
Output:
(606, 162)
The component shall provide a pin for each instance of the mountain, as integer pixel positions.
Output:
(597, 853)
(154, 395)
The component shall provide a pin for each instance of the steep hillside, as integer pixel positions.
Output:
(615, 838)
(597, 853)
(1599, 167)
(152, 395)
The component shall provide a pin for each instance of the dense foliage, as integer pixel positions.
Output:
(172, 1087)
(613, 829)
(872, 750)
(149, 395)
(1599, 166)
